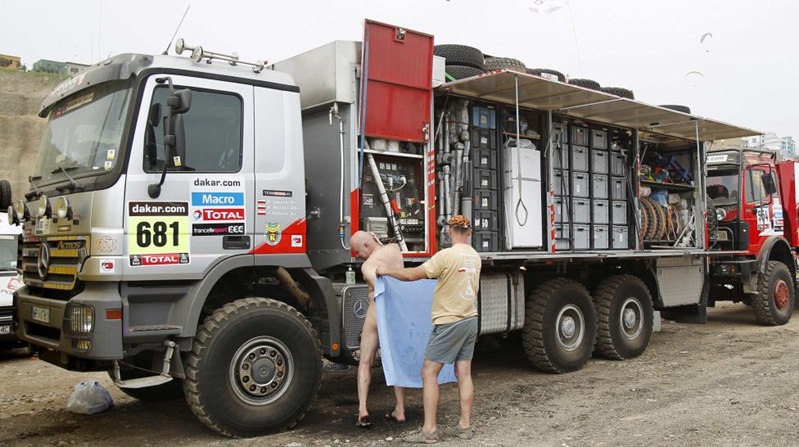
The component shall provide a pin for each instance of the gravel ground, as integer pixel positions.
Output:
(729, 382)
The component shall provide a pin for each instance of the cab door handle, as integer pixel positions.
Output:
(235, 242)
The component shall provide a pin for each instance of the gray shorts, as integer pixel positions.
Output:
(452, 341)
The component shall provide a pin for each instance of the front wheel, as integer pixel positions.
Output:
(775, 300)
(254, 369)
(624, 315)
(559, 326)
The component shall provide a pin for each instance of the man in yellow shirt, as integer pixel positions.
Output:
(455, 328)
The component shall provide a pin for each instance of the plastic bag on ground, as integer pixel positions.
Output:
(89, 398)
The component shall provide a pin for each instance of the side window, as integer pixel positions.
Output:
(755, 192)
(213, 128)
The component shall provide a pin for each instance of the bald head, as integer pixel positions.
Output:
(364, 243)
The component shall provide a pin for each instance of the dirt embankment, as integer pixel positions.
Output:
(21, 95)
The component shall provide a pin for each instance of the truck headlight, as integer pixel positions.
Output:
(62, 208)
(78, 320)
(11, 215)
(21, 209)
(43, 207)
(721, 213)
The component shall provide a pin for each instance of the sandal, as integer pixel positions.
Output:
(458, 432)
(363, 422)
(389, 417)
(422, 437)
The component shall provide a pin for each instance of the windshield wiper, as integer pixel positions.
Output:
(73, 185)
(35, 194)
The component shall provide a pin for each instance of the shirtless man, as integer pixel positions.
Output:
(368, 246)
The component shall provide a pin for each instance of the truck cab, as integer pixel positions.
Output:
(759, 269)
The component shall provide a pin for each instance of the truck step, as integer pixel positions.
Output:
(143, 382)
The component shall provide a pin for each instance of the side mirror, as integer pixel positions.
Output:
(179, 101)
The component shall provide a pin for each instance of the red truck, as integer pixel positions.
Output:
(757, 234)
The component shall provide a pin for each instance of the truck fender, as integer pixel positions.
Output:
(319, 288)
(776, 248)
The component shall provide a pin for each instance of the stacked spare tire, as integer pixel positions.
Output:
(462, 61)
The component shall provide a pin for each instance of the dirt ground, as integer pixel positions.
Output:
(729, 382)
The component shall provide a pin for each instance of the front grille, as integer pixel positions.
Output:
(355, 303)
(53, 262)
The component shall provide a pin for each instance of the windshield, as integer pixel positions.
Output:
(8, 253)
(722, 187)
(83, 134)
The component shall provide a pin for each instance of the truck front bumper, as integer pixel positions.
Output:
(86, 327)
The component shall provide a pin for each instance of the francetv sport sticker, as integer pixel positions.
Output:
(158, 233)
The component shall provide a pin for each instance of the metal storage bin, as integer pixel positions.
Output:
(601, 213)
(484, 138)
(582, 237)
(599, 186)
(599, 139)
(560, 157)
(560, 207)
(485, 241)
(580, 158)
(581, 211)
(617, 164)
(619, 212)
(599, 161)
(486, 199)
(618, 188)
(562, 237)
(621, 238)
(601, 237)
(561, 182)
(484, 159)
(486, 221)
(485, 179)
(580, 184)
(579, 136)
(560, 133)
(484, 117)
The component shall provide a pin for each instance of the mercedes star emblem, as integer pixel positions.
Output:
(360, 307)
(43, 262)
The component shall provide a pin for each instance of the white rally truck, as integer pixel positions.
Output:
(188, 219)
(10, 280)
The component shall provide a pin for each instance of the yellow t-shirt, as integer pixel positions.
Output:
(458, 271)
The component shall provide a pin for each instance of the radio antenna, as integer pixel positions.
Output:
(176, 30)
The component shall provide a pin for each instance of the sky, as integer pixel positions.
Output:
(748, 63)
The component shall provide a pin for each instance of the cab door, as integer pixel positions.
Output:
(205, 208)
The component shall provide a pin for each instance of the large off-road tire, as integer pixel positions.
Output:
(462, 71)
(160, 393)
(776, 298)
(619, 91)
(460, 55)
(559, 326)
(254, 369)
(585, 83)
(652, 227)
(624, 317)
(501, 63)
(5, 195)
(645, 221)
(677, 108)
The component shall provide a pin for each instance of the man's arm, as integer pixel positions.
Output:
(407, 274)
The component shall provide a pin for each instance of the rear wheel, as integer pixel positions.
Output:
(254, 369)
(559, 327)
(775, 301)
(624, 317)
(5, 194)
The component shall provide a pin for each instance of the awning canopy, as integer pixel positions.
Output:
(539, 93)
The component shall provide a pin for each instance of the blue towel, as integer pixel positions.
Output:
(403, 325)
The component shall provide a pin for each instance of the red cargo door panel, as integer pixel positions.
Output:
(397, 68)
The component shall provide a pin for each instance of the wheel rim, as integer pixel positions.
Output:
(631, 319)
(782, 295)
(570, 328)
(261, 370)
